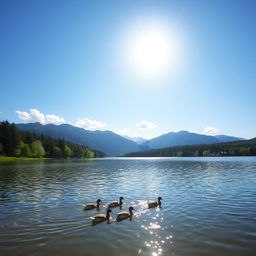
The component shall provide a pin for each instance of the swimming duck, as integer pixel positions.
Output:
(152, 204)
(90, 206)
(101, 217)
(125, 214)
(116, 203)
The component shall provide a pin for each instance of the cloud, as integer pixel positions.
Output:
(35, 115)
(53, 119)
(23, 115)
(211, 130)
(145, 125)
(124, 131)
(89, 124)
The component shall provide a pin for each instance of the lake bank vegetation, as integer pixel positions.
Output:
(16, 143)
(237, 148)
(14, 158)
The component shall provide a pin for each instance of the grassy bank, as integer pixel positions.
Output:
(12, 158)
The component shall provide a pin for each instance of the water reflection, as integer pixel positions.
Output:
(208, 207)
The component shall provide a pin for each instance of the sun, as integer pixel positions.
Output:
(151, 51)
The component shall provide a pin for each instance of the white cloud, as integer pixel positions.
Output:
(124, 131)
(23, 115)
(145, 125)
(35, 115)
(90, 124)
(211, 130)
(55, 119)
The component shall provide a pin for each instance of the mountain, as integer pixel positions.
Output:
(106, 141)
(180, 138)
(138, 140)
(113, 144)
(225, 138)
(234, 148)
(186, 138)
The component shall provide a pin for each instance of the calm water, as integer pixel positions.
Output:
(209, 207)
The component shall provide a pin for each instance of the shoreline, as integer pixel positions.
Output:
(14, 158)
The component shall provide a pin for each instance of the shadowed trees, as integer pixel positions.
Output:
(236, 148)
(14, 142)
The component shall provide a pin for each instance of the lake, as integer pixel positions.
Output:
(208, 207)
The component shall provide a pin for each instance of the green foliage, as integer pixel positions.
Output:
(1, 148)
(67, 152)
(9, 138)
(14, 158)
(236, 148)
(37, 149)
(25, 151)
(56, 152)
(26, 144)
(179, 154)
(206, 152)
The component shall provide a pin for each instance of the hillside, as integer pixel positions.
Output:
(113, 144)
(225, 138)
(17, 143)
(237, 148)
(106, 141)
(186, 138)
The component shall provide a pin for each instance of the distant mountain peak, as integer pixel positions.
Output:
(184, 131)
(184, 137)
(138, 140)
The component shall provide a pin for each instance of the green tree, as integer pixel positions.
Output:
(19, 148)
(14, 142)
(179, 154)
(1, 148)
(9, 137)
(67, 152)
(37, 149)
(206, 152)
(244, 151)
(56, 152)
(25, 150)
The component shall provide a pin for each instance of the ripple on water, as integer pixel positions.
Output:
(208, 207)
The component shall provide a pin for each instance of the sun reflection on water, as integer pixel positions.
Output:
(156, 232)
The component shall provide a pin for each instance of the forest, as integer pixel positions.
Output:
(237, 148)
(14, 142)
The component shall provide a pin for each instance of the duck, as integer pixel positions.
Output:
(90, 206)
(101, 217)
(116, 203)
(125, 214)
(152, 204)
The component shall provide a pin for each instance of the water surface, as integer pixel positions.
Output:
(209, 207)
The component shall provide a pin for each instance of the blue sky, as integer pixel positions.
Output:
(68, 61)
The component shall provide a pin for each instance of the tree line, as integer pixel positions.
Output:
(14, 142)
(238, 148)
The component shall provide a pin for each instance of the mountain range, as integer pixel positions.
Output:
(105, 141)
(113, 144)
(186, 138)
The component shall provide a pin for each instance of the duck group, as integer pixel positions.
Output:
(120, 215)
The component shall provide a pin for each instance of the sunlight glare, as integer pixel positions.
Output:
(153, 50)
